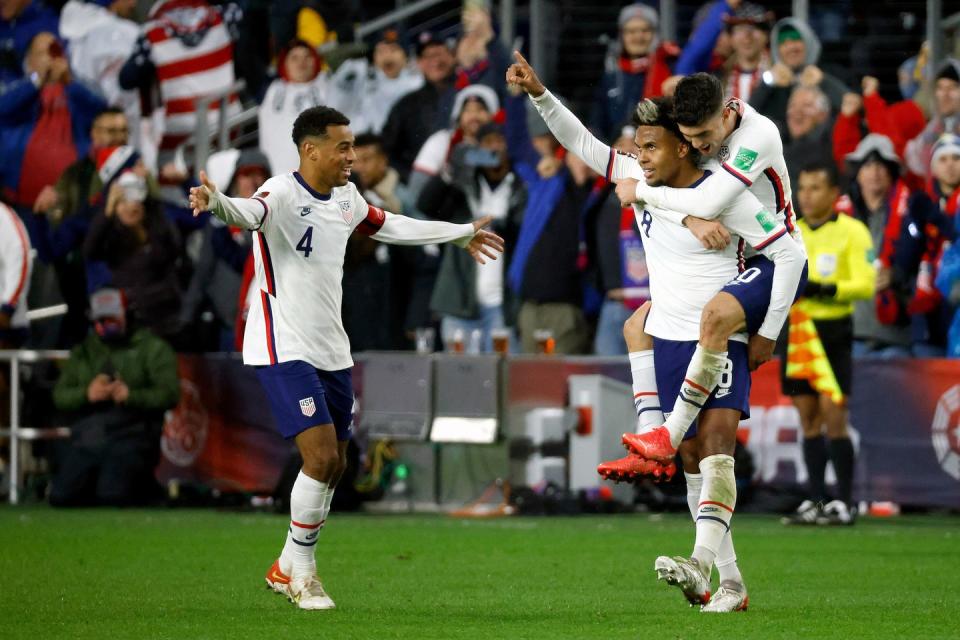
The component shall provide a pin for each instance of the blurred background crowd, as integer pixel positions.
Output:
(109, 108)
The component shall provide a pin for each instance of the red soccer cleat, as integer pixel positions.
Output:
(652, 445)
(631, 468)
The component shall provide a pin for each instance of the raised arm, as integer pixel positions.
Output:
(246, 213)
(569, 131)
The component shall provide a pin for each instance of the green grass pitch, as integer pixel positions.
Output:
(187, 574)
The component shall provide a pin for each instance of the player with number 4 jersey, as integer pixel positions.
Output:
(294, 336)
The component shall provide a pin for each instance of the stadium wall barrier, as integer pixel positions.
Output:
(905, 418)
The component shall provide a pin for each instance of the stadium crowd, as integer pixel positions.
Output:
(94, 109)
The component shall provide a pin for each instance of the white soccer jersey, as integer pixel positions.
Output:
(751, 157)
(300, 237)
(684, 275)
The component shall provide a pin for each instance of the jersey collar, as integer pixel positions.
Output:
(313, 192)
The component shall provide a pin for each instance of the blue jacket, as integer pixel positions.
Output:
(15, 37)
(948, 279)
(19, 111)
(699, 50)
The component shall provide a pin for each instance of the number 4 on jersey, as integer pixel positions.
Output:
(306, 243)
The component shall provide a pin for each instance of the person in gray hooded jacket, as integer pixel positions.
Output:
(796, 52)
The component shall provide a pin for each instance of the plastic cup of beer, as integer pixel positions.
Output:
(457, 341)
(545, 342)
(501, 341)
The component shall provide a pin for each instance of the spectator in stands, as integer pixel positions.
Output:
(16, 263)
(20, 21)
(808, 130)
(45, 122)
(928, 230)
(747, 27)
(481, 59)
(879, 198)
(820, 381)
(617, 260)
(141, 248)
(62, 217)
(420, 113)
(946, 117)
(185, 47)
(372, 309)
(302, 84)
(946, 169)
(116, 386)
(366, 92)
(544, 272)
(900, 121)
(217, 273)
(480, 182)
(474, 107)
(99, 39)
(796, 52)
(635, 68)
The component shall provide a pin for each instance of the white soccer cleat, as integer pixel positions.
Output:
(807, 513)
(684, 573)
(730, 596)
(836, 512)
(307, 592)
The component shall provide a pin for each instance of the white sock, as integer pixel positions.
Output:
(726, 561)
(718, 498)
(309, 503)
(703, 374)
(645, 395)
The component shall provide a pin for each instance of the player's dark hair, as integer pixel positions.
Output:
(369, 139)
(697, 98)
(833, 179)
(314, 122)
(109, 111)
(658, 112)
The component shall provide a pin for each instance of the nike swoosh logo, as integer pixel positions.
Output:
(304, 213)
(276, 576)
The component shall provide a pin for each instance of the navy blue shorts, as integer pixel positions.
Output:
(752, 290)
(302, 396)
(671, 359)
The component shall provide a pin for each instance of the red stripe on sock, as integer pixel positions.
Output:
(695, 385)
(306, 526)
(645, 393)
(719, 504)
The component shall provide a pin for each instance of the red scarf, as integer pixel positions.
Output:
(897, 210)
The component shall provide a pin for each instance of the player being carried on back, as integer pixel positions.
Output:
(684, 277)
(746, 156)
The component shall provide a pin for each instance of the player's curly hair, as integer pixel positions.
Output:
(314, 122)
(658, 112)
(697, 98)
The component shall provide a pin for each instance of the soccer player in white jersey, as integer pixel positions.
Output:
(684, 276)
(748, 156)
(294, 335)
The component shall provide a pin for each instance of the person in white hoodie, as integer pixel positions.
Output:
(302, 83)
(100, 37)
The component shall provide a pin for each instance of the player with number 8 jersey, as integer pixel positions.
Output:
(294, 337)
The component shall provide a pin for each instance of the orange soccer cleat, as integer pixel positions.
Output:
(652, 445)
(277, 579)
(632, 467)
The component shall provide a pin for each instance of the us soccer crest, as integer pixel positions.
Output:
(346, 211)
(307, 407)
(724, 153)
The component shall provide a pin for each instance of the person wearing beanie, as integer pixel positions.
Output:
(879, 198)
(635, 68)
(946, 118)
(302, 83)
(114, 386)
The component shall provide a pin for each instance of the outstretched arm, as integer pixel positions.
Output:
(246, 213)
(567, 128)
(707, 200)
